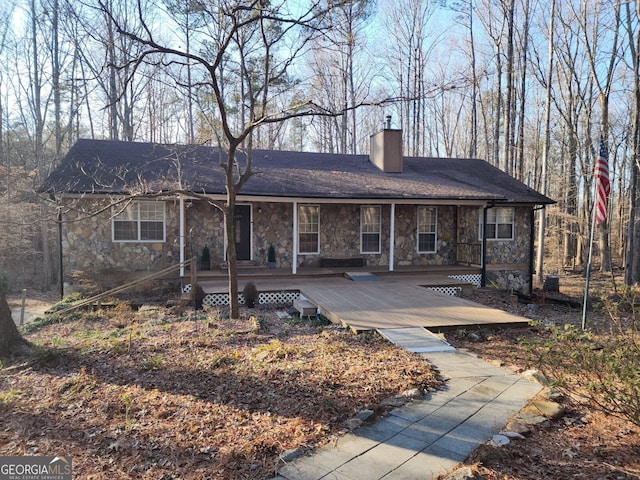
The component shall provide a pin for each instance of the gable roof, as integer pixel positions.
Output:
(115, 167)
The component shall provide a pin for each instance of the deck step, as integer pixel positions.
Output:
(361, 276)
(305, 307)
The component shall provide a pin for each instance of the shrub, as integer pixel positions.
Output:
(250, 293)
(604, 367)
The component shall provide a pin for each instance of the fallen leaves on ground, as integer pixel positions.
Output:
(156, 394)
(586, 443)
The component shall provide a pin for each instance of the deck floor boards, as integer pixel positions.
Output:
(390, 302)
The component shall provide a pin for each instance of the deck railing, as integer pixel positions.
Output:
(469, 253)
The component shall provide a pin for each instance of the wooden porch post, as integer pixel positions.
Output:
(294, 256)
(182, 226)
(392, 236)
(483, 254)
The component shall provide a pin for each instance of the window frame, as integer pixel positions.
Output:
(300, 232)
(496, 224)
(434, 224)
(139, 221)
(363, 232)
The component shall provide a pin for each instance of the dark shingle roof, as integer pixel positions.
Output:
(102, 166)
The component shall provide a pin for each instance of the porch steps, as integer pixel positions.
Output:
(415, 339)
(305, 307)
(361, 276)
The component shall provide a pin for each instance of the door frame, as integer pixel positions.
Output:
(250, 232)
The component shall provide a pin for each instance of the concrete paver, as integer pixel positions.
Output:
(426, 438)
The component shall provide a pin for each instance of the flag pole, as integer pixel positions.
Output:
(601, 190)
(588, 270)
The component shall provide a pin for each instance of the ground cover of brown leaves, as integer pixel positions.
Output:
(585, 443)
(159, 394)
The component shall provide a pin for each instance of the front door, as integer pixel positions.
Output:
(242, 223)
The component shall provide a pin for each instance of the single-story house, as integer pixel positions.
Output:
(382, 210)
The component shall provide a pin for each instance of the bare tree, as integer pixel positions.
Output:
(251, 37)
(632, 251)
(339, 75)
(542, 219)
(10, 338)
(601, 46)
(411, 45)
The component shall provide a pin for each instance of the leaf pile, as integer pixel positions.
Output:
(155, 395)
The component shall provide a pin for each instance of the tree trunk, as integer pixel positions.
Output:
(10, 338)
(232, 260)
(632, 254)
(542, 224)
(507, 153)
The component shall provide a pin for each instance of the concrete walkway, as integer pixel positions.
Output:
(426, 438)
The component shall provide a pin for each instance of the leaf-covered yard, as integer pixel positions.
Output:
(158, 394)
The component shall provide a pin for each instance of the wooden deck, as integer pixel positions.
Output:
(391, 301)
(398, 303)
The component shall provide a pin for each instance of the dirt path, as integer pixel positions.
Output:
(36, 303)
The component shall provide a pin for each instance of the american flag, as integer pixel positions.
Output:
(603, 187)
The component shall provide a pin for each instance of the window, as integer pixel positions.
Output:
(427, 229)
(308, 229)
(140, 222)
(500, 221)
(370, 230)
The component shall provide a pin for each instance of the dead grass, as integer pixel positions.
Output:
(586, 443)
(159, 394)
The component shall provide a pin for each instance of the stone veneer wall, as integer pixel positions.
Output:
(339, 234)
(204, 226)
(406, 252)
(502, 253)
(272, 224)
(87, 244)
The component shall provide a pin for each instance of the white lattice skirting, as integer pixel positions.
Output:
(287, 298)
(453, 291)
(264, 298)
(472, 278)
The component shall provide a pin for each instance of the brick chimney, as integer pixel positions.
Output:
(385, 151)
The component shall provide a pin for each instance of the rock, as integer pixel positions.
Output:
(463, 473)
(530, 418)
(551, 410)
(413, 394)
(365, 415)
(474, 337)
(499, 440)
(516, 435)
(395, 401)
(496, 363)
(553, 394)
(353, 423)
(536, 376)
(516, 426)
(291, 454)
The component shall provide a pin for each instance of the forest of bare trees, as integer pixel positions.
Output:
(528, 85)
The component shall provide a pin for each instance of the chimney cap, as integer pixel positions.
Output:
(387, 122)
